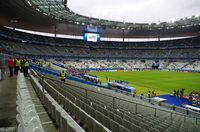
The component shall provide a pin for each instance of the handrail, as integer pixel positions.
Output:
(59, 94)
(151, 107)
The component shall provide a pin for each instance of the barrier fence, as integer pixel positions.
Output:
(153, 108)
(185, 112)
(3, 64)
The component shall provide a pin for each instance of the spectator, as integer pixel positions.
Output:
(63, 75)
(149, 93)
(141, 96)
(174, 92)
(11, 65)
(17, 66)
(26, 66)
(153, 93)
(22, 65)
(134, 92)
(182, 92)
(194, 102)
(177, 94)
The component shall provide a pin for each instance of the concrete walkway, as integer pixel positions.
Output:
(8, 102)
(46, 121)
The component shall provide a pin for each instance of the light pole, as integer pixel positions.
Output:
(123, 30)
(159, 27)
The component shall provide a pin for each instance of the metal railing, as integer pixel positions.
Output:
(172, 112)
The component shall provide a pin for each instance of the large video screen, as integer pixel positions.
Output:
(91, 37)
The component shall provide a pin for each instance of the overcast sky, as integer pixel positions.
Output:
(142, 11)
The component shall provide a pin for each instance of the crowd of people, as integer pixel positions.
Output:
(179, 93)
(17, 65)
(151, 93)
(193, 96)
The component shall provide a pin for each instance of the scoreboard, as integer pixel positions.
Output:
(92, 37)
(92, 33)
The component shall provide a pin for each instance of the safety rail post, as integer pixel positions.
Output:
(43, 87)
(86, 94)
(136, 108)
(58, 97)
(171, 115)
(187, 112)
(113, 102)
(196, 121)
(43, 82)
(155, 112)
(173, 107)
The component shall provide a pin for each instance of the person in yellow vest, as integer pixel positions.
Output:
(22, 65)
(194, 102)
(26, 66)
(17, 66)
(63, 75)
(134, 92)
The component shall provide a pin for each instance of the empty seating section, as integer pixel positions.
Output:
(123, 116)
(27, 117)
(88, 64)
(35, 45)
(62, 119)
(35, 103)
(86, 121)
(31, 38)
(39, 50)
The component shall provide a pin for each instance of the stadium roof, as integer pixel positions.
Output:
(58, 9)
(51, 11)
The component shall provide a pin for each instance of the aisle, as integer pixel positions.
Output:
(8, 102)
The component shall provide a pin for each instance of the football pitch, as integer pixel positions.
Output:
(163, 82)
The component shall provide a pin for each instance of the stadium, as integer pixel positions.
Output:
(99, 66)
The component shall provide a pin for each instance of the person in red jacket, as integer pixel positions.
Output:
(11, 65)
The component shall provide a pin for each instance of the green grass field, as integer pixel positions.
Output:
(163, 82)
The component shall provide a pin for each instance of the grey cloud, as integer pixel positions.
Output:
(136, 10)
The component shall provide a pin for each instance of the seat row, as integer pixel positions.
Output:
(108, 118)
(27, 117)
(158, 123)
(61, 118)
(87, 121)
